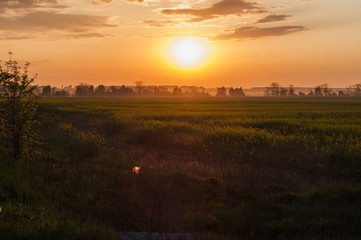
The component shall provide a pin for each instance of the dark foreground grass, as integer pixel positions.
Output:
(220, 169)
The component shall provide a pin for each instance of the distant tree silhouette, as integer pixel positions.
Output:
(10, 54)
(325, 89)
(283, 92)
(122, 91)
(318, 91)
(60, 93)
(162, 91)
(79, 91)
(126, 91)
(113, 90)
(139, 86)
(177, 92)
(100, 90)
(341, 93)
(91, 90)
(292, 91)
(82, 90)
(356, 89)
(46, 91)
(221, 92)
(57, 94)
(273, 90)
(231, 92)
(236, 92)
(194, 90)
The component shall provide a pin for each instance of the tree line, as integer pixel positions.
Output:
(275, 90)
(139, 90)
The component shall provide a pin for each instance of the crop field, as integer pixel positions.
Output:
(219, 169)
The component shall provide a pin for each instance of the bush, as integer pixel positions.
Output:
(18, 106)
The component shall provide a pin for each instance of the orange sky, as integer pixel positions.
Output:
(304, 43)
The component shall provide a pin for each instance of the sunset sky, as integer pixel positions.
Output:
(248, 43)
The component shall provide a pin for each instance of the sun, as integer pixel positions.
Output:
(188, 52)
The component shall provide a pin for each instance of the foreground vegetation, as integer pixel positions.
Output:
(220, 169)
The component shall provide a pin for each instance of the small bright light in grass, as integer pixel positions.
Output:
(136, 170)
(188, 52)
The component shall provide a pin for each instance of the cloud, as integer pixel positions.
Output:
(160, 23)
(219, 9)
(255, 32)
(273, 18)
(39, 23)
(136, 1)
(101, 2)
(25, 19)
(12, 36)
(24, 3)
(89, 35)
(54, 21)
(6, 5)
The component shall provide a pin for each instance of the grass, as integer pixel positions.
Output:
(221, 169)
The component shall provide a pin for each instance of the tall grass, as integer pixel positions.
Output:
(221, 169)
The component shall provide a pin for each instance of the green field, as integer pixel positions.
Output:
(220, 169)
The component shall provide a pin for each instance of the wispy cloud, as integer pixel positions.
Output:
(16, 5)
(39, 23)
(135, 1)
(219, 9)
(255, 32)
(160, 23)
(89, 35)
(101, 2)
(273, 18)
(22, 19)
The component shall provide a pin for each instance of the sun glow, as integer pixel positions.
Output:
(188, 52)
